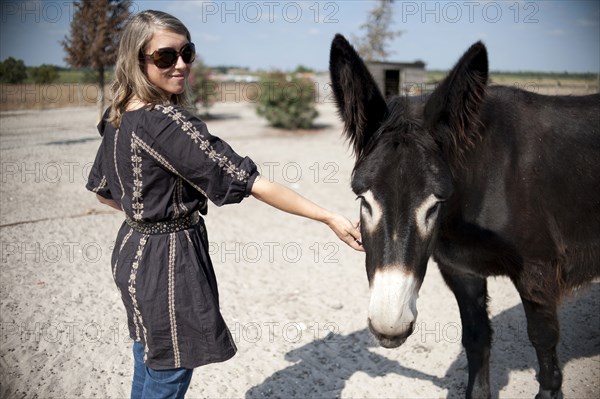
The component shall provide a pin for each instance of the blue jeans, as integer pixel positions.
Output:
(157, 384)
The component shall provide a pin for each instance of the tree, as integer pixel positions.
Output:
(303, 69)
(94, 38)
(372, 47)
(204, 89)
(287, 102)
(12, 71)
(44, 74)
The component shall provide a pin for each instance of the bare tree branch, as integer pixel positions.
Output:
(94, 37)
(373, 45)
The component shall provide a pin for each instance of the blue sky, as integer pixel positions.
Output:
(520, 35)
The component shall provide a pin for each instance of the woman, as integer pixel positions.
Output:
(159, 164)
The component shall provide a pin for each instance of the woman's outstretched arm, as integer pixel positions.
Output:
(289, 201)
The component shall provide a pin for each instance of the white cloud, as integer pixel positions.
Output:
(587, 23)
(557, 32)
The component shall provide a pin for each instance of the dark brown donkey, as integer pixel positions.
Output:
(489, 181)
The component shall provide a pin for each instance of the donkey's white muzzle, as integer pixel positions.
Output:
(393, 305)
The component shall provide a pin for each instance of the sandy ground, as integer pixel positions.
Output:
(295, 299)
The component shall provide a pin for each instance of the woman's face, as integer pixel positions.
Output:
(171, 79)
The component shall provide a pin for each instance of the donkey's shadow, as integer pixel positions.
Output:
(512, 350)
(322, 367)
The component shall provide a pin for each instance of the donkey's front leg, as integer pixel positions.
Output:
(543, 330)
(471, 295)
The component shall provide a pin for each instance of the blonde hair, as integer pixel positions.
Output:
(130, 79)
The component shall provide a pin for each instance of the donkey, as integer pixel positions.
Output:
(489, 181)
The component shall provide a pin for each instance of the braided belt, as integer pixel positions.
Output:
(164, 227)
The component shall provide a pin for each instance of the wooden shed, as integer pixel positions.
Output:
(398, 78)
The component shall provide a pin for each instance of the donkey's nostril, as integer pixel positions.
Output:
(391, 340)
(391, 331)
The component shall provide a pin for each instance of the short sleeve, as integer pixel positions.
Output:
(97, 181)
(180, 142)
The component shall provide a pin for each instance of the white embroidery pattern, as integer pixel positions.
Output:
(171, 294)
(125, 239)
(136, 162)
(116, 166)
(101, 185)
(137, 316)
(160, 159)
(182, 206)
(188, 237)
(189, 128)
(178, 205)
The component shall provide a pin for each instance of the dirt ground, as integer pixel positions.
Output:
(294, 298)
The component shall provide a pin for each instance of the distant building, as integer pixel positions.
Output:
(398, 78)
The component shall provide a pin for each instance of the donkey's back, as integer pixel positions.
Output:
(535, 179)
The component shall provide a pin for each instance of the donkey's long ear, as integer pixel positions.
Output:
(360, 104)
(453, 110)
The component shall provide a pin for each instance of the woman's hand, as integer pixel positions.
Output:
(346, 231)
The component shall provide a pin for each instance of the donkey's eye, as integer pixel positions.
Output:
(364, 204)
(432, 211)
(371, 211)
(426, 213)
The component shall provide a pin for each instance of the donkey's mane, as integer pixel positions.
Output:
(401, 126)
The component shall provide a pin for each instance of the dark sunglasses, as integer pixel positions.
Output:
(167, 57)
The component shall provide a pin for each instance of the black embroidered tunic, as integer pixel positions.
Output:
(162, 164)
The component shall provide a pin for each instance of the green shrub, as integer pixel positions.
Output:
(287, 102)
(44, 74)
(204, 89)
(12, 71)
